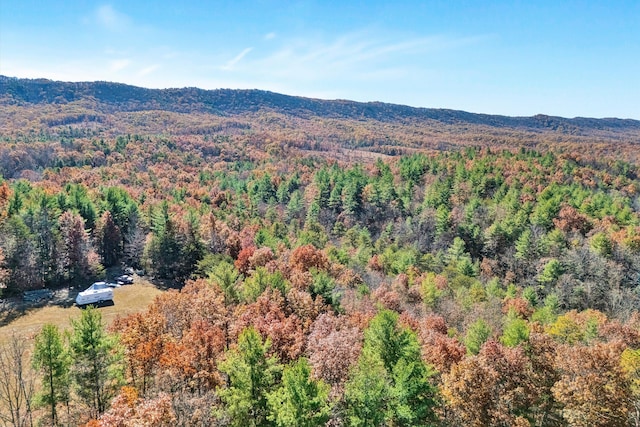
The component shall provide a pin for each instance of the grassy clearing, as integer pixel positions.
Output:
(26, 323)
(126, 300)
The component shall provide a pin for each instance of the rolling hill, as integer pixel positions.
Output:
(115, 97)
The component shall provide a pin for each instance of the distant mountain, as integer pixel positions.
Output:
(113, 97)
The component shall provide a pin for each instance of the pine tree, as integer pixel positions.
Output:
(51, 359)
(390, 382)
(477, 334)
(300, 401)
(252, 375)
(515, 331)
(524, 246)
(366, 392)
(163, 249)
(95, 370)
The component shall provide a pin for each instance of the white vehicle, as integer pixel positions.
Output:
(96, 293)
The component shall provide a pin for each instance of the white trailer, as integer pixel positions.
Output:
(94, 294)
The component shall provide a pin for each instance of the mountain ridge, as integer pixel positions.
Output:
(112, 97)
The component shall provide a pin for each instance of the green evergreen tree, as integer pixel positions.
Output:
(367, 392)
(299, 401)
(163, 250)
(524, 246)
(552, 270)
(78, 199)
(51, 359)
(252, 376)
(529, 294)
(477, 334)
(192, 247)
(352, 198)
(456, 251)
(295, 205)
(254, 285)
(443, 221)
(335, 198)
(324, 286)
(515, 331)
(601, 244)
(227, 277)
(96, 370)
(390, 382)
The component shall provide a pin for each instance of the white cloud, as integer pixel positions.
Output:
(119, 64)
(270, 36)
(352, 57)
(232, 63)
(111, 19)
(148, 70)
(362, 65)
(356, 65)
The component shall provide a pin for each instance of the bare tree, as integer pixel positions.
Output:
(16, 384)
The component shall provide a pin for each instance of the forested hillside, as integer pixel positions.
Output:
(335, 263)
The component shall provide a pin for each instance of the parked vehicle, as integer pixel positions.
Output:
(96, 293)
(125, 279)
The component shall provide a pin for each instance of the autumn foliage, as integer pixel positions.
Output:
(388, 276)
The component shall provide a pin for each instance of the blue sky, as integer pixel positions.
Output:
(567, 58)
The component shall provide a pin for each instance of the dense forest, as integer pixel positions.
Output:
(331, 263)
